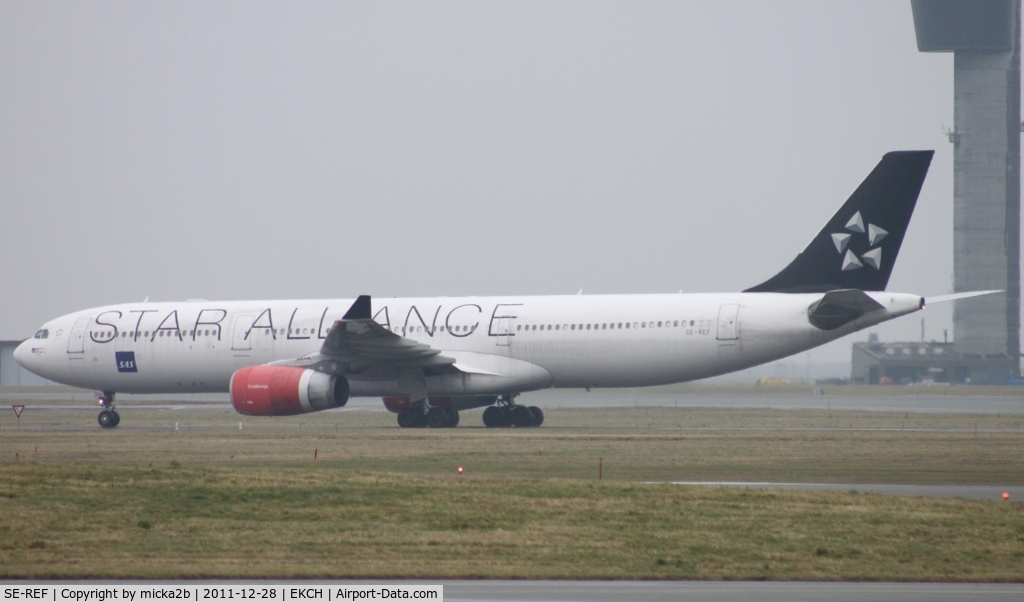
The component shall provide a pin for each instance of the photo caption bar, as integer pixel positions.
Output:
(204, 593)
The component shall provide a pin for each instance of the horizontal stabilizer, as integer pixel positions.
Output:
(838, 308)
(958, 296)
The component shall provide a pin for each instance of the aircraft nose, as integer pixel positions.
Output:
(22, 354)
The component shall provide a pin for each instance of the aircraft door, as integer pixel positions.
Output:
(504, 331)
(500, 326)
(240, 339)
(728, 322)
(76, 340)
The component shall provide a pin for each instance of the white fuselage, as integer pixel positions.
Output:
(500, 344)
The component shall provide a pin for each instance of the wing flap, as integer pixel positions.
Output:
(356, 343)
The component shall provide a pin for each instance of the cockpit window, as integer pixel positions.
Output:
(42, 334)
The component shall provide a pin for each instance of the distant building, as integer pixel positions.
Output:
(11, 372)
(984, 37)
(876, 363)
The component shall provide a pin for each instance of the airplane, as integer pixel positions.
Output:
(430, 358)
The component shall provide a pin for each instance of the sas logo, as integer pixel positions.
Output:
(125, 361)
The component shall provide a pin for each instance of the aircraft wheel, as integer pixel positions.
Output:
(409, 418)
(437, 417)
(106, 419)
(453, 418)
(521, 417)
(537, 414)
(117, 417)
(494, 417)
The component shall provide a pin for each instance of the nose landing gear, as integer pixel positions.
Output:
(108, 418)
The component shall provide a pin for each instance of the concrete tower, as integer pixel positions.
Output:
(984, 36)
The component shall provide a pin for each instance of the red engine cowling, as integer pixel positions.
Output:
(286, 390)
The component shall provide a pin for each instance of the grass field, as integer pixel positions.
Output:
(210, 500)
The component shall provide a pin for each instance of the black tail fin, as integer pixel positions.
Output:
(858, 246)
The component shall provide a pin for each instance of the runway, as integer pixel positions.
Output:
(1011, 404)
(974, 492)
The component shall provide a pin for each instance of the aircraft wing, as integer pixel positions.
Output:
(356, 343)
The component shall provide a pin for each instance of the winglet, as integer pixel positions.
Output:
(360, 310)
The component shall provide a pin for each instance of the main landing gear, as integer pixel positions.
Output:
(509, 413)
(108, 418)
(436, 417)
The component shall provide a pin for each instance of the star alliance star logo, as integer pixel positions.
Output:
(874, 234)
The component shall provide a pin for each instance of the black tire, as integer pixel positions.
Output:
(521, 417)
(437, 417)
(494, 417)
(106, 419)
(409, 418)
(117, 417)
(538, 415)
(453, 418)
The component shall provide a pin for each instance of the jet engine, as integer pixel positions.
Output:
(286, 390)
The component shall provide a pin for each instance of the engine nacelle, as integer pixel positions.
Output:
(286, 391)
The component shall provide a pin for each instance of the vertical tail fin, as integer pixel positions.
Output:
(858, 247)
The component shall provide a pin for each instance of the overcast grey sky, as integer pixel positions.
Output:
(289, 150)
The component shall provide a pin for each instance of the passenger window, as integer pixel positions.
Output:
(659, 323)
(588, 326)
(556, 326)
(643, 324)
(573, 327)
(691, 322)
